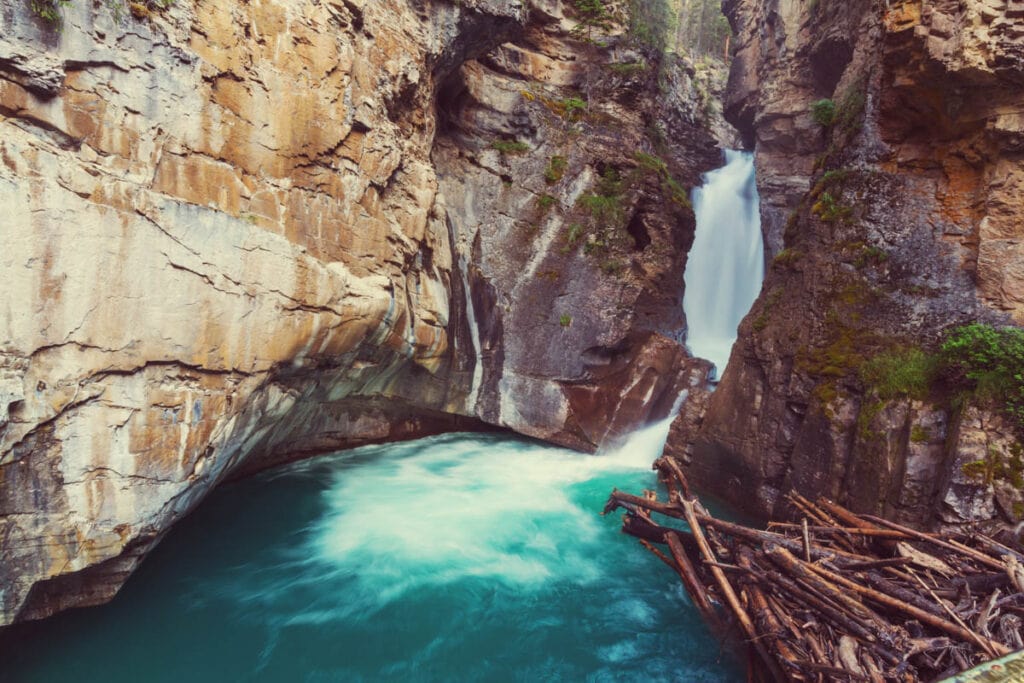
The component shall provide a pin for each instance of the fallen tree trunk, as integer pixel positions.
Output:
(838, 596)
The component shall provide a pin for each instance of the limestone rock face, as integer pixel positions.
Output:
(899, 218)
(235, 234)
(563, 294)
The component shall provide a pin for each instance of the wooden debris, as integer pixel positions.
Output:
(837, 596)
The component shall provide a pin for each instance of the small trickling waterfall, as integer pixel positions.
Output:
(726, 264)
(474, 334)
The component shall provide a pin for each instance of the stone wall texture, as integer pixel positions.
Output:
(237, 233)
(901, 219)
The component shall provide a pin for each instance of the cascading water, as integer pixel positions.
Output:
(460, 557)
(474, 335)
(454, 558)
(726, 264)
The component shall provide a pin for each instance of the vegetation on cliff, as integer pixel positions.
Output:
(52, 11)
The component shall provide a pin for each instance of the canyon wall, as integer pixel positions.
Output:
(236, 234)
(889, 140)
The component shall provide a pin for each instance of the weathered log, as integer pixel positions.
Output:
(673, 467)
(765, 538)
(948, 545)
(619, 499)
(919, 614)
(877, 564)
(846, 516)
(729, 593)
(769, 624)
(983, 583)
(842, 530)
(637, 526)
(691, 581)
(878, 582)
(824, 601)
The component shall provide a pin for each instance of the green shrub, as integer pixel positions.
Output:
(671, 188)
(998, 466)
(556, 169)
(565, 320)
(787, 258)
(906, 372)
(833, 178)
(988, 361)
(828, 209)
(510, 146)
(50, 11)
(572, 108)
(824, 112)
(627, 68)
(592, 14)
(651, 163)
(604, 209)
(610, 182)
(676, 193)
(545, 202)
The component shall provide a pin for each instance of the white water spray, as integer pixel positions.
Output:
(474, 334)
(726, 264)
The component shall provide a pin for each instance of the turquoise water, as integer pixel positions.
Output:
(454, 558)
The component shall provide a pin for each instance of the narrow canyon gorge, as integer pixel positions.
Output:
(246, 233)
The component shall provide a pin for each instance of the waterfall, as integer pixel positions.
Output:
(726, 264)
(474, 335)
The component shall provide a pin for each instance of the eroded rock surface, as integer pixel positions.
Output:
(894, 223)
(234, 235)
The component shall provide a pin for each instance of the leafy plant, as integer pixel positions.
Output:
(998, 465)
(565, 320)
(50, 11)
(919, 434)
(989, 361)
(851, 109)
(556, 169)
(627, 68)
(828, 209)
(670, 187)
(510, 146)
(901, 372)
(787, 258)
(824, 112)
(592, 14)
(605, 209)
(545, 202)
(573, 108)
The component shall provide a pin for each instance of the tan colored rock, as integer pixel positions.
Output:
(226, 244)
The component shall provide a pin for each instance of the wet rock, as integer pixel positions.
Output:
(893, 222)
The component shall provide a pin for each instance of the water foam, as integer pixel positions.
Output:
(725, 267)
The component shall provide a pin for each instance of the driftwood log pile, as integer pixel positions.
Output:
(838, 596)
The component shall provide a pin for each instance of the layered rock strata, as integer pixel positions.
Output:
(892, 215)
(239, 233)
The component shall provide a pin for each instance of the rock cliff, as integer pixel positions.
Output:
(240, 233)
(889, 139)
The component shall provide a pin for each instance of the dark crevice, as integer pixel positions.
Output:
(637, 228)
